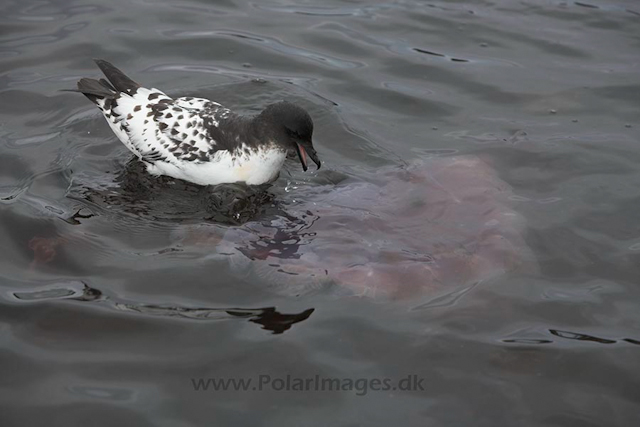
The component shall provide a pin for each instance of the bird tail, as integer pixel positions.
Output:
(96, 90)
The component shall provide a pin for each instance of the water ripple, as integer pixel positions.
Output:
(272, 44)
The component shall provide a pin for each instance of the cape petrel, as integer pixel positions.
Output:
(196, 139)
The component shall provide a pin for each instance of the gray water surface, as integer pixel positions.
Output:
(108, 314)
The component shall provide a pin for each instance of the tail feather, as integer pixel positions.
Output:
(106, 84)
(118, 79)
(96, 89)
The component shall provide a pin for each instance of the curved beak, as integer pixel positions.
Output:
(309, 152)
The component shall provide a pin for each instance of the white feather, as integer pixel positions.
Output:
(259, 167)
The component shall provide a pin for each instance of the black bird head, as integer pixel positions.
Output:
(292, 128)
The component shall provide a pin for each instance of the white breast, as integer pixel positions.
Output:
(258, 167)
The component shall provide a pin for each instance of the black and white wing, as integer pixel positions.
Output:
(159, 128)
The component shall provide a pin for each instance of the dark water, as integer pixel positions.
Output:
(108, 314)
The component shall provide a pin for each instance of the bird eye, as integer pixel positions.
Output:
(293, 133)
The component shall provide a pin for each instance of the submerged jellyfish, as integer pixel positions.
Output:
(395, 233)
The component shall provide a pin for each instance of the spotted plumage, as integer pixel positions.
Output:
(196, 139)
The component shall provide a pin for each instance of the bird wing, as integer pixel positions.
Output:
(160, 128)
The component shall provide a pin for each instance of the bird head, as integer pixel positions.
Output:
(293, 129)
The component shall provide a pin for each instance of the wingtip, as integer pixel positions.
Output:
(119, 80)
(83, 81)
